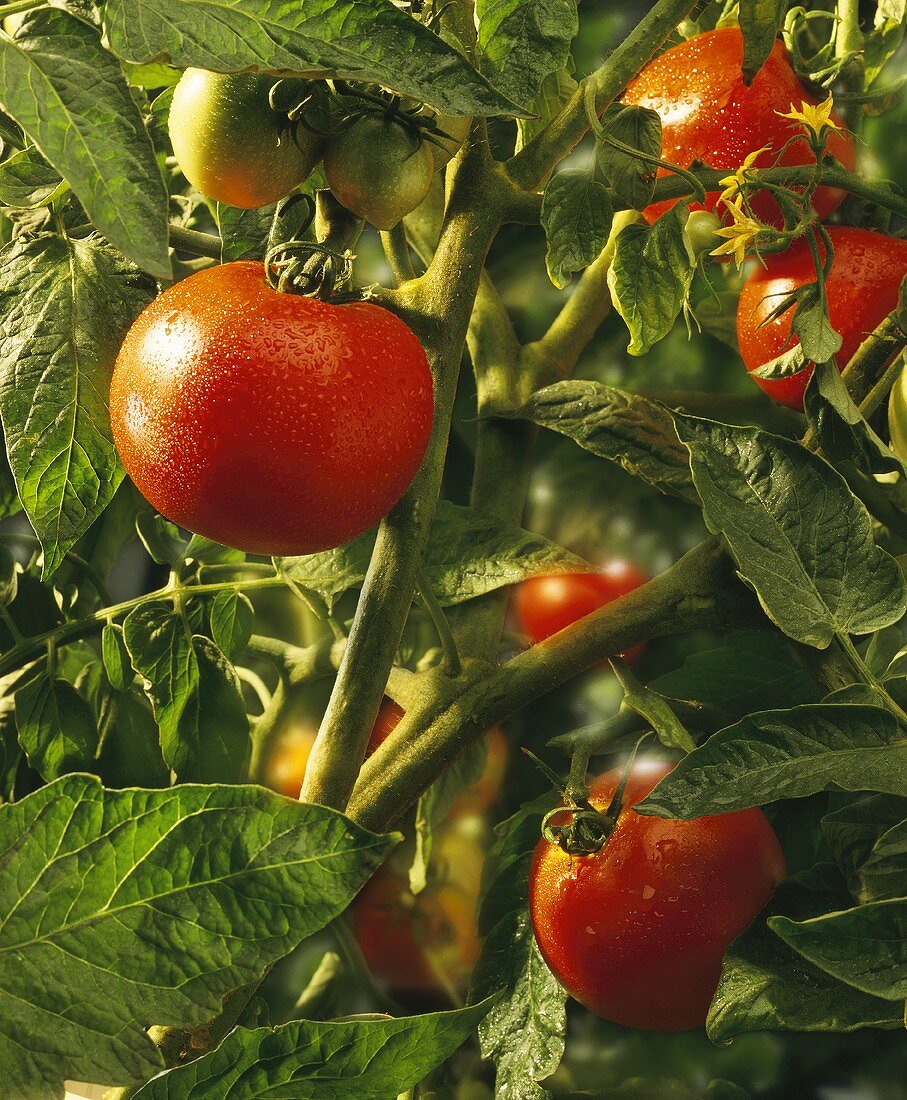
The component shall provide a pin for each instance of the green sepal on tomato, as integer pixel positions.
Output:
(708, 114)
(267, 421)
(231, 145)
(636, 931)
(861, 290)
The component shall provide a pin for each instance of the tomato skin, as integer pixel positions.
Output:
(230, 144)
(709, 114)
(270, 422)
(862, 289)
(477, 798)
(378, 169)
(636, 932)
(286, 765)
(550, 603)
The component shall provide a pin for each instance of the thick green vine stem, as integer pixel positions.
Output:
(438, 306)
(699, 591)
(530, 166)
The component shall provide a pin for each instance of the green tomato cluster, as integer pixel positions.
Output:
(235, 147)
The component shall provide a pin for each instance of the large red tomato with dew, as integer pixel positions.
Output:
(862, 289)
(549, 603)
(271, 422)
(484, 792)
(709, 114)
(636, 931)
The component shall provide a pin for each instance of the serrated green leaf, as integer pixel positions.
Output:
(760, 22)
(367, 40)
(27, 180)
(866, 947)
(160, 903)
(852, 830)
(765, 986)
(321, 1060)
(639, 128)
(627, 428)
(576, 216)
(884, 874)
(57, 730)
(650, 277)
(810, 322)
(523, 1034)
(94, 135)
(787, 516)
(66, 305)
(524, 41)
(232, 619)
(786, 754)
(195, 694)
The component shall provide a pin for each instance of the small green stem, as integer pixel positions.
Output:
(197, 244)
(399, 257)
(20, 6)
(451, 665)
(866, 676)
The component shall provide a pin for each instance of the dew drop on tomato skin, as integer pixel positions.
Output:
(636, 933)
(862, 289)
(286, 426)
(709, 114)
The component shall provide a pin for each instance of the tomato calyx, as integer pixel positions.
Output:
(306, 267)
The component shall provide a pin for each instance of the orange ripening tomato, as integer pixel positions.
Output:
(484, 792)
(636, 931)
(271, 422)
(287, 762)
(862, 289)
(708, 114)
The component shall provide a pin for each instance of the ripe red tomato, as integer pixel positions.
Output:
(427, 942)
(484, 792)
(549, 603)
(636, 932)
(709, 114)
(862, 289)
(270, 422)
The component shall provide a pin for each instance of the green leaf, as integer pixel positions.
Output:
(750, 670)
(884, 874)
(232, 619)
(631, 179)
(367, 40)
(553, 95)
(852, 830)
(523, 1034)
(57, 729)
(524, 41)
(119, 670)
(760, 22)
(786, 754)
(245, 233)
(765, 986)
(865, 947)
(840, 428)
(650, 277)
(322, 1060)
(576, 217)
(9, 577)
(134, 890)
(162, 539)
(209, 552)
(195, 694)
(27, 180)
(468, 555)
(129, 754)
(786, 516)
(627, 428)
(654, 708)
(66, 305)
(810, 322)
(71, 98)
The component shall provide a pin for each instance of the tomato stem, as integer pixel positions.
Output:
(451, 665)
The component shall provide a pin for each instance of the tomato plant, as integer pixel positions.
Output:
(636, 931)
(342, 346)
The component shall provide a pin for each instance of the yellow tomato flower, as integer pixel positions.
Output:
(815, 118)
(733, 185)
(740, 235)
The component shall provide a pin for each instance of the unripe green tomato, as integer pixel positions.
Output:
(451, 140)
(897, 416)
(379, 169)
(231, 145)
(700, 234)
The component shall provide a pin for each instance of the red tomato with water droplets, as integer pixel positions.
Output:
(271, 422)
(636, 932)
(862, 289)
(709, 114)
(550, 603)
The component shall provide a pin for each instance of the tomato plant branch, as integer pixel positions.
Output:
(197, 244)
(530, 166)
(438, 306)
(699, 591)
